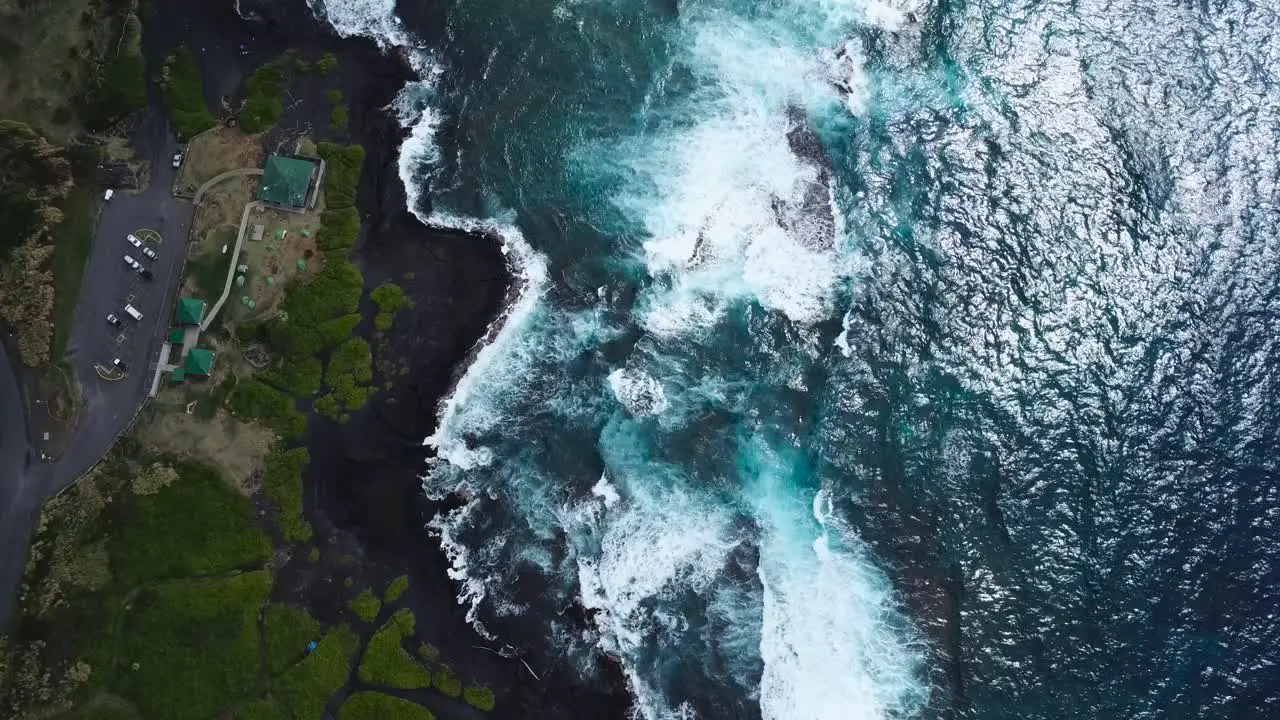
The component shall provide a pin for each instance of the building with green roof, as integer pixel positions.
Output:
(190, 311)
(199, 362)
(286, 181)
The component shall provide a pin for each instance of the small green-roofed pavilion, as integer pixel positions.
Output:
(178, 375)
(177, 336)
(199, 362)
(190, 312)
(285, 181)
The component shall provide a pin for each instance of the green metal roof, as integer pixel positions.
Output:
(177, 336)
(285, 181)
(199, 361)
(190, 311)
(178, 375)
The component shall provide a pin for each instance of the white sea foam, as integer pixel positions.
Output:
(605, 490)
(371, 18)
(828, 640)
(640, 393)
(721, 208)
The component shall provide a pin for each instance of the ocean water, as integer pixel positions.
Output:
(871, 359)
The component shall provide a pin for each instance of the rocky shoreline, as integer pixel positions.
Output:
(362, 488)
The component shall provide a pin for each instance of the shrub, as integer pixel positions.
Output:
(397, 588)
(183, 91)
(306, 687)
(366, 605)
(326, 64)
(286, 632)
(339, 229)
(479, 696)
(194, 644)
(264, 96)
(389, 297)
(376, 706)
(298, 376)
(197, 525)
(444, 680)
(117, 92)
(339, 117)
(254, 400)
(387, 663)
(282, 484)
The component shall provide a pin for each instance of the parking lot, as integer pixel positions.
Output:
(161, 223)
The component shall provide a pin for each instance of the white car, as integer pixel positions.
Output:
(134, 241)
(177, 159)
(113, 319)
(133, 263)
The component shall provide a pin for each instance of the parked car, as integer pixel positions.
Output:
(108, 194)
(133, 311)
(177, 159)
(120, 364)
(134, 241)
(113, 319)
(137, 266)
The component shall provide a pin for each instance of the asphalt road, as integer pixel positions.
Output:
(108, 406)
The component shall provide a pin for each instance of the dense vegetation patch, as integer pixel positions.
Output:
(183, 91)
(338, 117)
(35, 176)
(347, 378)
(261, 710)
(287, 630)
(326, 64)
(299, 377)
(376, 706)
(306, 687)
(118, 87)
(366, 605)
(389, 297)
(254, 400)
(216, 528)
(264, 95)
(387, 663)
(397, 588)
(479, 696)
(282, 484)
(192, 646)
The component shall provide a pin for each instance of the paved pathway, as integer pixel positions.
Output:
(242, 172)
(231, 269)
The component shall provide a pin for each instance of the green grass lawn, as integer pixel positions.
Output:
(190, 648)
(73, 239)
(208, 271)
(194, 527)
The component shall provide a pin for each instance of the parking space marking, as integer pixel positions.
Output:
(110, 374)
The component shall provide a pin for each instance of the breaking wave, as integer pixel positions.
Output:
(858, 346)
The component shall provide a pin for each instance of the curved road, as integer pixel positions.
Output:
(108, 408)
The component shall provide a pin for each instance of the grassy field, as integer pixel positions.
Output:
(208, 271)
(47, 54)
(73, 239)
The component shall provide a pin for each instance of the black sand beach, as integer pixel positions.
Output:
(362, 487)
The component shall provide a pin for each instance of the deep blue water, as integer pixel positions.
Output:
(873, 360)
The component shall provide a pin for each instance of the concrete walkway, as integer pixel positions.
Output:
(242, 172)
(231, 269)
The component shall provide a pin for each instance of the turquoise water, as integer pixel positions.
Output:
(872, 360)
